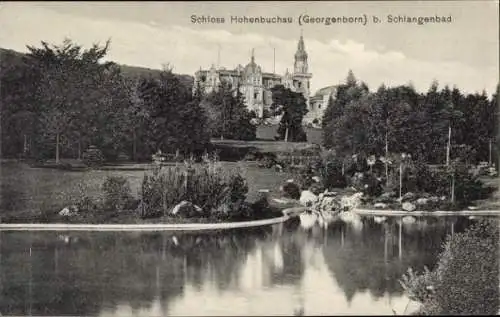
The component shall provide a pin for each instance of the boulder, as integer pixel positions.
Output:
(351, 202)
(316, 179)
(186, 209)
(69, 211)
(434, 199)
(380, 205)
(328, 204)
(408, 206)
(307, 198)
(422, 201)
(408, 196)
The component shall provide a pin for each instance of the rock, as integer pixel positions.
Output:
(408, 196)
(379, 219)
(351, 202)
(380, 205)
(408, 206)
(307, 198)
(443, 198)
(278, 168)
(290, 180)
(186, 209)
(472, 208)
(69, 211)
(422, 201)
(390, 194)
(316, 179)
(328, 204)
(434, 199)
(330, 194)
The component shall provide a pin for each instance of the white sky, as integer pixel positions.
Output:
(464, 53)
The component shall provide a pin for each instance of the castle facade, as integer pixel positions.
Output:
(255, 84)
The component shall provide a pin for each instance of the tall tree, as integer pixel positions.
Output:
(292, 108)
(229, 116)
(175, 120)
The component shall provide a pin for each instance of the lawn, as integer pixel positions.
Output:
(27, 191)
(267, 132)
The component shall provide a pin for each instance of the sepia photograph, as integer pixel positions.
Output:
(249, 158)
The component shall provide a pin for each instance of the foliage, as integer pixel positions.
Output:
(292, 108)
(229, 117)
(206, 185)
(59, 99)
(418, 177)
(398, 119)
(465, 280)
(174, 121)
(116, 193)
(93, 156)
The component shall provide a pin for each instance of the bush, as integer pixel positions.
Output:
(465, 280)
(93, 156)
(206, 185)
(420, 178)
(116, 193)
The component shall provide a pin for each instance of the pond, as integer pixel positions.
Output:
(275, 270)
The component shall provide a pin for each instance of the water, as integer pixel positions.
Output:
(278, 270)
(274, 270)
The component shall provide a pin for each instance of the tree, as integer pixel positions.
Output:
(346, 93)
(229, 116)
(174, 120)
(292, 107)
(73, 90)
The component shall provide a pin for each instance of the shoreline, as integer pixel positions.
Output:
(141, 227)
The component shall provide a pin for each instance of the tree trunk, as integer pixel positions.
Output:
(448, 146)
(286, 134)
(79, 149)
(57, 148)
(134, 146)
(25, 146)
(386, 158)
(343, 168)
(400, 180)
(489, 155)
(453, 188)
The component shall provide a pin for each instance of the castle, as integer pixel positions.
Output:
(255, 85)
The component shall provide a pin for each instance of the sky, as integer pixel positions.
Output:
(463, 53)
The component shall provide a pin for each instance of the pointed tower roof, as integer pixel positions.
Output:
(301, 48)
(252, 67)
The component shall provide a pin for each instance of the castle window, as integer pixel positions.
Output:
(255, 95)
(203, 78)
(319, 106)
(299, 84)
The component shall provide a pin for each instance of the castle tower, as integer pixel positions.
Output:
(301, 75)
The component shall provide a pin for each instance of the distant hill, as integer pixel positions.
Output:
(8, 56)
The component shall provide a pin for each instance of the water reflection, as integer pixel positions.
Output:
(282, 269)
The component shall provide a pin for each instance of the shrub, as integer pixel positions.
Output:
(93, 156)
(418, 177)
(465, 280)
(116, 193)
(206, 185)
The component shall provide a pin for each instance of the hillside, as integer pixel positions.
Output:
(8, 56)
